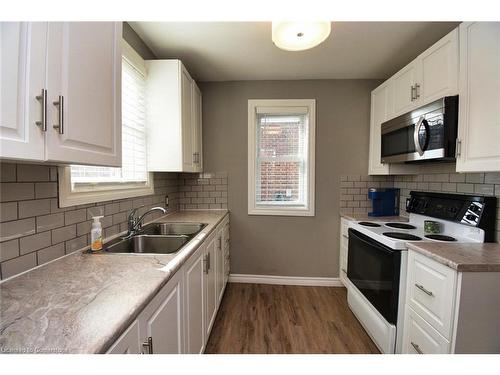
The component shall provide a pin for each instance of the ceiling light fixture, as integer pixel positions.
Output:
(298, 36)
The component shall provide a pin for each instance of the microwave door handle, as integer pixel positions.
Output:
(415, 135)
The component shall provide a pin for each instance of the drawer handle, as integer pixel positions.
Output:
(417, 348)
(428, 292)
(343, 270)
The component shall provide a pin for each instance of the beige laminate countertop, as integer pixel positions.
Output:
(463, 257)
(82, 303)
(364, 217)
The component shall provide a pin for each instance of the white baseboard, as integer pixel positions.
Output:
(285, 280)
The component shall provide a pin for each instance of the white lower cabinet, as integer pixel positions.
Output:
(211, 283)
(194, 310)
(180, 317)
(128, 342)
(161, 323)
(447, 311)
(421, 338)
(344, 248)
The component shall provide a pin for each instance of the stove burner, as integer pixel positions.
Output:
(368, 224)
(402, 236)
(400, 226)
(440, 237)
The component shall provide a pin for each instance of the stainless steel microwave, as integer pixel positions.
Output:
(426, 133)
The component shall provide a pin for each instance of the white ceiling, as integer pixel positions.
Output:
(229, 51)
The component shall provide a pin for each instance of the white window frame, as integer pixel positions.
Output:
(101, 192)
(281, 106)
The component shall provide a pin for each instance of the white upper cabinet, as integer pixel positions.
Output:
(197, 128)
(439, 70)
(379, 112)
(61, 92)
(479, 112)
(403, 87)
(173, 138)
(84, 79)
(432, 75)
(23, 48)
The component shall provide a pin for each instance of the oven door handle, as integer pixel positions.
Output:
(421, 121)
(364, 238)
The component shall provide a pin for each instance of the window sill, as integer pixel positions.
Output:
(282, 211)
(68, 198)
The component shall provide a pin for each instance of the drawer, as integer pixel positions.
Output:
(431, 292)
(420, 338)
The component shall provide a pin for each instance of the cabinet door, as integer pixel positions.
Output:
(379, 113)
(479, 109)
(162, 319)
(23, 49)
(186, 120)
(194, 286)
(84, 70)
(197, 129)
(219, 269)
(129, 342)
(403, 81)
(210, 285)
(439, 65)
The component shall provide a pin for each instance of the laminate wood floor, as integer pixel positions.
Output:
(258, 318)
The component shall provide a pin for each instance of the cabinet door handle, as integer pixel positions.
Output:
(60, 104)
(344, 270)
(421, 287)
(43, 99)
(417, 348)
(417, 91)
(208, 262)
(147, 346)
(412, 93)
(458, 148)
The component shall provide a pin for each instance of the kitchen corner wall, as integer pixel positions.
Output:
(286, 245)
(354, 188)
(34, 230)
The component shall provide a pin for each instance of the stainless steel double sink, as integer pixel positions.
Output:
(156, 238)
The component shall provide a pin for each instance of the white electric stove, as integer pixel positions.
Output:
(377, 256)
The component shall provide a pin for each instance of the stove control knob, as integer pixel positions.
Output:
(474, 208)
(471, 217)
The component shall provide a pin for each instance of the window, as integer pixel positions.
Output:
(81, 184)
(281, 137)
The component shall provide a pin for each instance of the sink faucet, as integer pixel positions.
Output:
(135, 224)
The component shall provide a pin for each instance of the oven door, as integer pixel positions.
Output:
(374, 270)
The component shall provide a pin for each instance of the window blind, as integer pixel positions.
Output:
(281, 159)
(134, 153)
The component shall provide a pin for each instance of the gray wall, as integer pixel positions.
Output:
(288, 246)
(136, 42)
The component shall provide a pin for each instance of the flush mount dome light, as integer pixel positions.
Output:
(298, 36)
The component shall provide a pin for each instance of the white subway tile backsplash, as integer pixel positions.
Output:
(64, 233)
(17, 265)
(16, 191)
(45, 190)
(8, 211)
(50, 253)
(34, 208)
(17, 228)
(9, 250)
(51, 221)
(7, 172)
(37, 241)
(32, 172)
